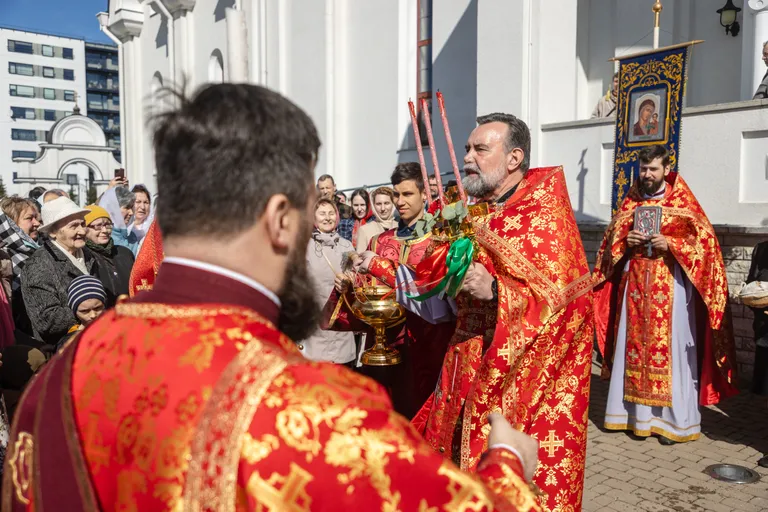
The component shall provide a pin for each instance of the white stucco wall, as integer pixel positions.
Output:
(724, 159)
(352, 66)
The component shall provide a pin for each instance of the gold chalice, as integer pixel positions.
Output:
(377, 306)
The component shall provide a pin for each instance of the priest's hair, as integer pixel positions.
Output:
(221, 154)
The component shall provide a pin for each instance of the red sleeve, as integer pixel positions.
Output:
(384, 270)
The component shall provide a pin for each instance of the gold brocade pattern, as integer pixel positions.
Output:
(278, 493)
(648, 370)
(259, 428)
(235, 399)
(20, 464)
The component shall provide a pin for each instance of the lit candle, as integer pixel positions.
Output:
(431, 139)
(446, 128)
(417, 138)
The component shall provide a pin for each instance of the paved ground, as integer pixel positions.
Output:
(624, 474)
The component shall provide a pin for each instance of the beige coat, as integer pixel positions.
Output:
(326, 250)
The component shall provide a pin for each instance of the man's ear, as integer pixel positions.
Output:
(515, 159)
(281, 222)
(667, 170)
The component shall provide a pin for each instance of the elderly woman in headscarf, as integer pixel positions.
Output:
(325, 253)
(361, 214)
(383, 202)
(48, 273)
(119, 202)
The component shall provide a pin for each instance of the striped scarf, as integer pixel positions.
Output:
(18, 244)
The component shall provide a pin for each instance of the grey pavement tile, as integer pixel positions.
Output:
(629, 474)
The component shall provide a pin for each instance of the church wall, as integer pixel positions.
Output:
(151, 65)
(308, 72)
(608, 28)
(207, 19)
(502, 56)
(722, 159)
(369, 126)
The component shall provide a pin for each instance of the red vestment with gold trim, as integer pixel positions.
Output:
(170, 403)
(421, 343)
(649, 283)
(147, 262)
(528, 355)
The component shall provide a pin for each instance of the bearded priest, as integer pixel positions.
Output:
(192, 396)
(524, 328)
(661, 313)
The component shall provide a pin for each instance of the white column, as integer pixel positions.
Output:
(758, 12)
(185, 63)
(237, 53)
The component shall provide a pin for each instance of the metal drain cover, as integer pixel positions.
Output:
(732, 473)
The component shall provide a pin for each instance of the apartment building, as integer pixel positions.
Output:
(42, 77)
(103, 90)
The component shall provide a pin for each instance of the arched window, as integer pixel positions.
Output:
(216, 67)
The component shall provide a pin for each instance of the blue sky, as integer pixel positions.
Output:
(74, 18)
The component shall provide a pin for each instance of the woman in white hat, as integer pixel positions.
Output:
(48, 273)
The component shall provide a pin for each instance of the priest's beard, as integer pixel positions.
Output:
(649, 187)
(299, 312)
(481, 185)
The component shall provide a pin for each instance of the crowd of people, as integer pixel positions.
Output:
(62, 266)
(234, 380)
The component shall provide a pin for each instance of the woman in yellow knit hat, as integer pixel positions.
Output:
(114, 261)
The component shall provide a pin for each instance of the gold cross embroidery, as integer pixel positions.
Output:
(513, 222)
(660, 297)
(677, 202)
(465, 493)
(552, 443)
(658, 358)
(575, 322)
(506, 352)
(635, 295)
(282, 492)
(144, 286)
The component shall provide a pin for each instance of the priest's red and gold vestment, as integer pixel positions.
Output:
(647, 284)
(188, 398)
(147, 262)
(528, 354)
(421, 343)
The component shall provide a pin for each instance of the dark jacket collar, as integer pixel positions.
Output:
(509, 193)
(182, 285)
(61, 258)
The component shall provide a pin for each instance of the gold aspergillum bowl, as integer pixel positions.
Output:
(377, 306)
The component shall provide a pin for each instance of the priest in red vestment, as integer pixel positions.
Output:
(192, 396)
(661, 308)
(421, 343)
(523, 339)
